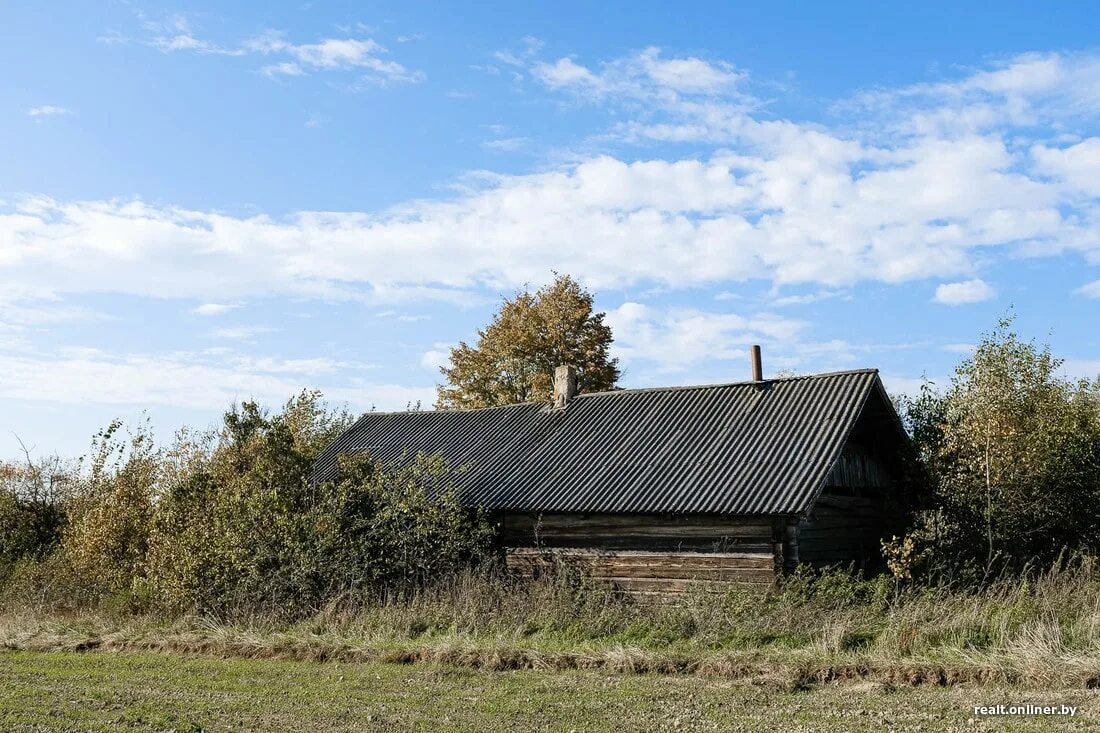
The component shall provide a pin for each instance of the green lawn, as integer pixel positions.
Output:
(65, 691)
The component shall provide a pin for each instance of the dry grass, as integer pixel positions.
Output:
(1043, 632)
(1040, 632)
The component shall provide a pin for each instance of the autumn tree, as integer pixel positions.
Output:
(1012, 451)
(514, 358)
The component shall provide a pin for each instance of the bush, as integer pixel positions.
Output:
(1011, 452)
(32, 511)
(110, 512)
(391, 530)
(228, 523)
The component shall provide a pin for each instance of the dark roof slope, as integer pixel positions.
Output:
(744, 448)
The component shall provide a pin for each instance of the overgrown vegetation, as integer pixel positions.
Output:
(1010, 457)
(221, 541)
(229, 523)
(1042, 631)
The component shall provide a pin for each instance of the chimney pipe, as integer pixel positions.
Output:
(757, 367)
(565, 385)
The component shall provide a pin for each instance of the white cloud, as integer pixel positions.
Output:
(1090, 290)
(677, 339)
(1078, 165)
(239, 333)
(214, 309)
(967, 291)
(1081, 369)
(566, 73)
(308, 367)
(286, 68)
(187, 42)
(797, 215)
(363, 55)
(505, 144)
(1027, 90)
(645, 75)
(438, 356)
(48, 110)
(187, 380)
(705, 346)
(805, 298)
(780, 201)
(911, 386)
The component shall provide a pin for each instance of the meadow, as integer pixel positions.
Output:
(482, 652)
(74, 691)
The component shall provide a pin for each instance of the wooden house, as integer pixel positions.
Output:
(658, 489)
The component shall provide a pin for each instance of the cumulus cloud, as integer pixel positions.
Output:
(800, 214)
(437, 356)
(1077, 165)
(675, 339)
(48, 110)
(775, 200)
(1090, 290)
(214, 309)
(187, 380)
(966, 291)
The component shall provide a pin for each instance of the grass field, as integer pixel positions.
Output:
(67, 691)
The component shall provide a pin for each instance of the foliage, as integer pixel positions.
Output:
(32, 510)
(228, 522)
(395, 529)
(111, 510)
(515, 356)
(1011, 452)
(230, 530)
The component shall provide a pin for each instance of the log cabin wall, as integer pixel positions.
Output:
(648, 553)
(637, 532)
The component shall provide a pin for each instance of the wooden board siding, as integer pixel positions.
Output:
(638, 532)
(842, 529)
(859, 468)
(636, 571)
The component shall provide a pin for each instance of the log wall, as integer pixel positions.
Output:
(644, 572)
(665, 554)
(638, 532)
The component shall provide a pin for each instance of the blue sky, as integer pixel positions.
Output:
(204, 203)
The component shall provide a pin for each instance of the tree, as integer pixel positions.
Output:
(514, 358)
(1012, 452)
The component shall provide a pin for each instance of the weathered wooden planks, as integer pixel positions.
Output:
(638, 532)
(842, 529)
(648, 571)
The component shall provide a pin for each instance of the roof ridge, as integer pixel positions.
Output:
(630, 390)
(747, 382)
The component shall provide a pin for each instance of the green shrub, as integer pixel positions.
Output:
(32, 511)
(1011, 453)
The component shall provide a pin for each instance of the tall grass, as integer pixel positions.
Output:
(1043, 628)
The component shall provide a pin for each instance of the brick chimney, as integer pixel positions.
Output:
(757, 365)
(565, 385)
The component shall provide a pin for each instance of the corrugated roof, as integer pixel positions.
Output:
(743, 448)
